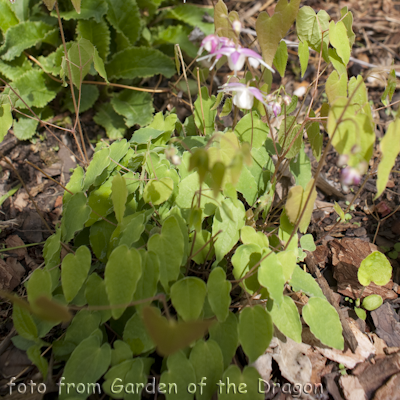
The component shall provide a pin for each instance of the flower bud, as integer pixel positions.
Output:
(236, 26)
(287, 100)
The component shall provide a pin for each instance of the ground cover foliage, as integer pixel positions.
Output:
(161, 229)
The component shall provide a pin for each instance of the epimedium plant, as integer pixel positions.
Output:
(160, 239)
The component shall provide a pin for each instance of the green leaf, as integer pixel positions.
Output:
(201, 255)
(255, 331)
(21, 9)
(6, 120)
(302, 281)
(98, 33)
(315, 137)
(74, 271)
(339, 40)
(360, 313)
(145, 135)
(225, 334)
(89, 9)
(207, 125)
(121, 277)
(270, 275)
(229, 227)
(304, 55)
(39, 284)
(372, 302)
(35, 89)
(271, 30)
(300, 167)
(96, 295)
(49, 4)
(34, 354)
(288, 260)
(337, 62)
(169, 247)
(136, 107)
(281, 57)
(347, 19)
(336, 86)
(286, 318)
(390, 88)
(287, 132)
(187, 296)
(88, 362)
(139, 62)
(136, 335)
(248, 235)
(23, 36)
(180, 372)
(80, 56)
(100, 162)
(121, 352)
(77, 5)
(390, 148)
(147, 285)
(23, 323)
(158, 191)
(324, 322)
(89, 95)
(124, 17)
(7, 16)
(218, 289)
(119, 195)
(174, 34)
(76, 214)
(169, 335)
(307, 242)
(237, 385)
(15, 68)
(252, 130)
(207, 361)
(112, 122)
(375, 268)
(192, 15)
(25, 128)
(310, 27)
(83, 325)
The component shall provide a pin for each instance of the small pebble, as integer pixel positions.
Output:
(360, 232)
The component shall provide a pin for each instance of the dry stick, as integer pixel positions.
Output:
(84, 156)
(184, 74)
(67, 190)
(327, 291)
(38, 119)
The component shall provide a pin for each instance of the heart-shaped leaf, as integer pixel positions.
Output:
(375, 268)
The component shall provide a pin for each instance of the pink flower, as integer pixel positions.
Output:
(275, 107)
(350, 176)
(243, 94)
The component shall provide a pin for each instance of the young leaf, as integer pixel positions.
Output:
(255, 331)
(180, 372)
(307, 242)
(324, 322)
(39, 284)
(360, 313)
(119, 195)
(23, 323)
(271, 30)
(139, 62)
(372, 302)
(248, 235)
(390, 88)
(347, 19)
(157, 192)
(84, 324)
(304, 54)
(375, 268)
(336, 86)
(339, 211)
(226, 335)
(136, 335)
(187, 296)
(74, 271)
(339, 40)
(25, 128)
(252, 130)
(390, 148)
(281, 57)
(136, 107)
(286, 318)
(121, 277)
(124, 17)
(75, 215)
(96, 295)
(98, 33)
(218, 289)
(315, 137)
(302, 281)
(169, 247)
(270, 275)
(169, 335)
(207, 361)
(100, 162)
(34, 354)
(88, 362)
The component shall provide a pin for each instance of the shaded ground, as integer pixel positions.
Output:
(26, 219)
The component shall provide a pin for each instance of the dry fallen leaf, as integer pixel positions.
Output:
(352, 388)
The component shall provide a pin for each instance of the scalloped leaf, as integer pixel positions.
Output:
(97, 33)
(7, 16)
(112, 122)
(88, 9)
